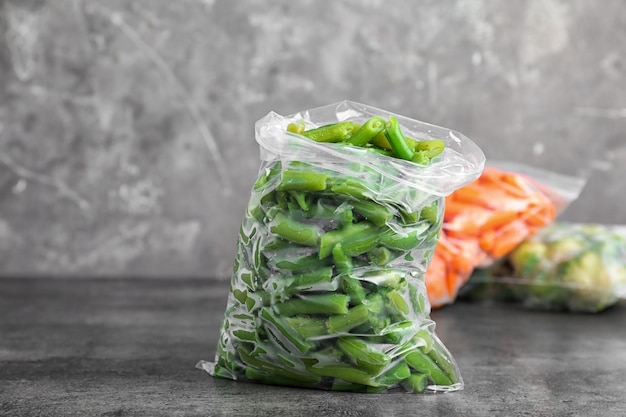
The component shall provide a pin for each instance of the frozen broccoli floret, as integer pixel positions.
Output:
(527, 258)
(588, 280)
(563, 249)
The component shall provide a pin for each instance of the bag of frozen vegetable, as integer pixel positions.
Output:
(565, 266)
(328, 282)
(488, 218)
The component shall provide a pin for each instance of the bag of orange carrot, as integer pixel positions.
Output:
(488, 218)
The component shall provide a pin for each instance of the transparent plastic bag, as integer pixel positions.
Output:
(327, 289)
(488, 218)
(565, 266)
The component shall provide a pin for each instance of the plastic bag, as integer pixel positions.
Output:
(566, 266)
(488, 218)
(327, 289)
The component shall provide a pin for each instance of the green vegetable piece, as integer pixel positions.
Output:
(344, 372)
(307, 280)
(343, 263)
(345, 322)
(404, 241)
(245, 335)
(284, 327)
(294, 231)
(298, 264)
(398, 303)
(415, 383)
(296, 127)
(355, 239)
(308, 327)
(248, 358)
(399, 331)
(398, 142)
(368, 131)
(380, 256)
(295, 180)
(314, 304)
(430, 213)
(337, 132)
(431, 148)
(442, 362)
(385, 278)
(363, 355)
(372, 212)
(424, 364)
(350, 187)
(265, 377)
(421, 157)
(354, 289)
(394, 375)
(302, 199)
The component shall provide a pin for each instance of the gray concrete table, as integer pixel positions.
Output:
(128, 347)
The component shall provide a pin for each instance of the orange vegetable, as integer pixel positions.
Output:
(483, 222)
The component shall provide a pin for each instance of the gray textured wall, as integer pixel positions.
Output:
(126, 126)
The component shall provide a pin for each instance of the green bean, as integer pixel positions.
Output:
(294, 231)
(380, 256)
(403, 241)
(314, 304)
(398, 303)
(432, 147)
(368, 131)
(354, 289)
(343, 263)
(424, 364)
(398, 332)
(284, 327)
(430, 214)
(248, 358)
(397, 140)
(373, 212)
(296, 127)
(306, 280)
(363, 355)
(444, 363)
(350, 187)
(245, 335)
(394, 375)
(420, 157)
(415, 383)
(302, 181)
(386, 278)
(355, 239)
(337, 132)
(298, 264)
(344, 372)
(344, 322)
(308, 327)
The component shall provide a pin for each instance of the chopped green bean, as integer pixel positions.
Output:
(337, 132)
(354, 317)
(398, 142)
(314, 304)
(368, 131)
(363, 355)
(302, 181)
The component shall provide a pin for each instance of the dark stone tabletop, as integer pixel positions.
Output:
(118, 347)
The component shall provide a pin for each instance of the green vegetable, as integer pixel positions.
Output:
(337, 132)
(565, 266)
(398, 142)
(314, 304)
(368, 131)
(289, 229)
(327, 287)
